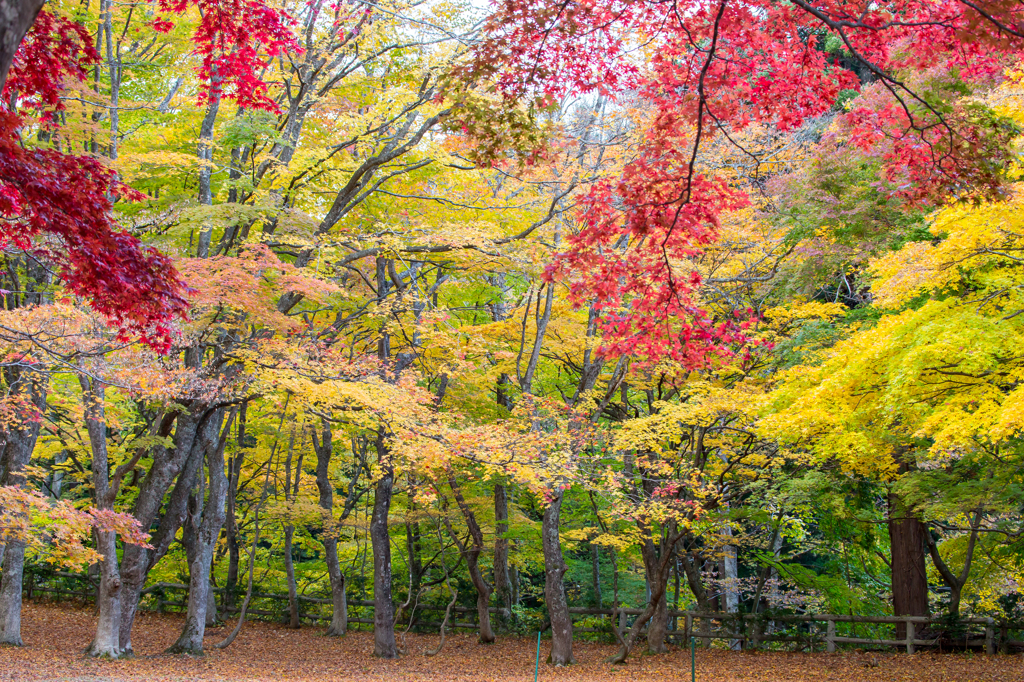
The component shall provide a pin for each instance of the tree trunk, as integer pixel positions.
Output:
(324, 447)
(657, 629)
(383, 612)
(554, 590)
(657, 566)
(201, 531)
(907, 539)
(211, 603)
(730, 575)
(472, 555)
(339, 616)
(954, 582)
(595, 569)
(691, 567)
(16, 17)
(107, 643)
(502, 580)
(19, 443)
(176, 465)
(293, 590)
(412, 548)
(10, 594)
(231, 519)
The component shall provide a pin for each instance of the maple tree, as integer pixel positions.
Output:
(658, 307)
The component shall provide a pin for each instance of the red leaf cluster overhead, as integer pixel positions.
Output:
(710, 67)
(45, 194)
(54, 50)
(234, 39)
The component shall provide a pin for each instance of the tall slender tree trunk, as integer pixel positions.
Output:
(383, 612)
(18, 444)
(730, 575)
(595, 570)
(502, 580)
(554, 588)
(231, 518)
(324, 447)
(290, 491)
(691, 563)
(289, 567)
(472, 556)
(200, 538)
(107, 641)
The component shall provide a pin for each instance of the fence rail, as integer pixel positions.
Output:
(748, 630)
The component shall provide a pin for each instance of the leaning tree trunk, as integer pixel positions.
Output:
(384, 644)
(472, 555)
(554, 589)
(175, 466)
(201, 531)
(907, 539)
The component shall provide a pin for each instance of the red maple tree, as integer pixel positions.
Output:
(59, 206)
(712, 67)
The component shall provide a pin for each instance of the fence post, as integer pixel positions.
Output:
(755, 632)
(1004, 639)
(622, 621)
(990, 637)
(910, 636)
(830, 636)
(688, 627)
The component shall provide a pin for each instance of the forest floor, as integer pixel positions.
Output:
(55, 636)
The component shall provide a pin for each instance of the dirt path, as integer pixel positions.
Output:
(56, 635)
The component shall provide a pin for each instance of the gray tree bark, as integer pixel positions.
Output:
(16, 17)
(18, 444)
(106, 642)
(384, 644)
(201, 529)
(554, 588)
(502, 579)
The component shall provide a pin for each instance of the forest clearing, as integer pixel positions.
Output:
(55, 638)
(366, 339)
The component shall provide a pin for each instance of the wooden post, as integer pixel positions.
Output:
(910, 636)
(622, 621)
(755, 633)
(688, 627)
(990, 637)
(830, 636)
(1004, 639)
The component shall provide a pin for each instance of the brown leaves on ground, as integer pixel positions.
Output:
(56, 635)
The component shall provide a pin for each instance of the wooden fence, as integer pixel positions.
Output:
(804, 631)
